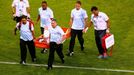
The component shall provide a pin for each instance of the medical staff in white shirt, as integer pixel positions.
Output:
(57, 36)
(26, 39)
(78, 20)
(26, 1)
(101, 25)
(20, 7)
(45, 16)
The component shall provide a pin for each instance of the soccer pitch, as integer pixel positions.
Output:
(121, 18)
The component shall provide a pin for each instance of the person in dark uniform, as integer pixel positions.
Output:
(26, 39)
(56, 43)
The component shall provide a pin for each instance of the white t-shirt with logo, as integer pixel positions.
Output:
(21, 8)
(25, 32)
(56, 34)
(100, 21)
(78, 18)
(45, 16)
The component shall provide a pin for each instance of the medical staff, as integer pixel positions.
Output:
(45, 16)
(77, 24)
(19, 8)
(26, 39)
(57, 37)
(102, 26)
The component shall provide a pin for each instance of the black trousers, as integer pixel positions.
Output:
(75, 33)
(42, 30)
(58, 48)
(23, 48)
(98, 37)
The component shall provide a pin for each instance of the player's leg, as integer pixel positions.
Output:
(23, 51)
(59, 52)
(32, 50)
(72, 42)
(81, 39)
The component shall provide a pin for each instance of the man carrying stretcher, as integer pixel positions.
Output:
(53, 38)
(57, 37)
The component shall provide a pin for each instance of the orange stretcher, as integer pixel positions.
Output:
(44, 44)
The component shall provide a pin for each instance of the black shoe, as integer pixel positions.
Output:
(70, 54)
(44, 51)
(82, 48)
(34, 60)
(49, 68)
(63, 61)
(23, 62)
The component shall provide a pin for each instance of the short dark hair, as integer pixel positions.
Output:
(79, 2)
(54, 19)
(23, 17)
(94, 8)
(44, 2)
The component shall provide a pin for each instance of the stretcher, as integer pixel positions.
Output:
(108, 43)
(40, 42)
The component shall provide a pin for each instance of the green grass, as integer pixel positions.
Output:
(121, 17)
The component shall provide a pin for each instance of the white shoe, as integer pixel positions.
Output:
(23, 62)
(100, 56)
(70, 54)
(44, 51)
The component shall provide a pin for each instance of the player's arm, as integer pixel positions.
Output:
(16, 28)
(13, 7)
(32, 30)
(106, 18)
(90, 24)
(13, 10)
(108, 26)
(71, 19)
(71, 22)
(86, 22)
(51, 15)
(38, 18)
(28, 11)
(28, 8)
(87, 26)
(33, 34)
(63, 35)
(108, 23)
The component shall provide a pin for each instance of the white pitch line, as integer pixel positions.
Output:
(73, 67)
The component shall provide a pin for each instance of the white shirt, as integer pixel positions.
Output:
(56, 34)
(45, 16)
(21, 8)
(25, 32)
(78, 18)
(100, 21)
(26, 1)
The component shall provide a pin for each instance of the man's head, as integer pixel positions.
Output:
(54, 23)
(24, 19)
(78, 5)
(95, 10)
(44, 5)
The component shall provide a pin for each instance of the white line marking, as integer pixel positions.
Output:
(73, 67)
